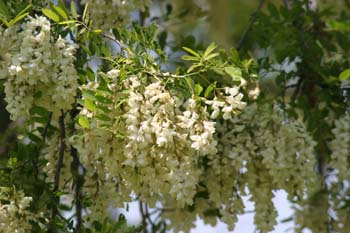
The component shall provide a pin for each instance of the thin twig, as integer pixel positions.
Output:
(59, 163)
(143, 215)
(78, 177)
(286, 4)
(43, 134)
(250, 26)
(118, 42)
(297, 90)
(61, 151)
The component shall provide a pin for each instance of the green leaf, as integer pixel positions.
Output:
(209, 90)
(88, 94)
(344, 75)
(40, 111)
(234, 72)
(67, 22)
(190, 83)
(22, 14)
(61, 12)
(41, 120)
(4, 10)
(73, 10)
(84, 121)
(190, 51)
(235, 56)
(208, 51)
(4, 21)
(103, 99)
(103, 117)
(339, 25)
(103, 108)
(34, 138)
(198, 89)
(85, 14)
(191, 68)
(17, 19)
(190, 58)
(211, 56)
(90, 73)
(50, 14)
(89, 105)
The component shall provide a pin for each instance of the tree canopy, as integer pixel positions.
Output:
(184, 106)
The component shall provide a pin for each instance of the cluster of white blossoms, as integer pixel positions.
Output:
(51, 154)
(164, 143)
(40, 72)
(163, 148)
(107, 14)
(260, 150)
(230, 103)
(158, 156)
(9, 44)
(340, 146)
(101, 154)
(15, 216)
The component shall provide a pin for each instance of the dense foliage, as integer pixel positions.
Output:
(104, 113)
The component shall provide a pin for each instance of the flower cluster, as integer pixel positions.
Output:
(151, 142)
(107, 14)
(40, 73)
(340, 147)
(255, 150)
(162, 137)
(9, 44)
(15, 216)
(51, 154)
(229, 104)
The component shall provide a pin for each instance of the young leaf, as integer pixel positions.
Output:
(50, 14)
(189, 58)
(22, 14)
(89, 105)
(73, 10)
(210, 56)
(190, 51)
(344, 75)
(84, 121)
(234, 72)
(198, 89)
(4, 10)
(103, 117)
(235, 56)
(17, 19)
(61, 12)
(208, 51)
(209, 90)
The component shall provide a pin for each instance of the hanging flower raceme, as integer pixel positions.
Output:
(40, 73)
(266, 151)
(15, 216)
(340, 147)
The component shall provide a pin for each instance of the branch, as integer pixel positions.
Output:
(43, 134)
(61, 151)
(78, 176)
(109, 37)
(297, 90)
(120, 44)
(59, 164)
(252, 20)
